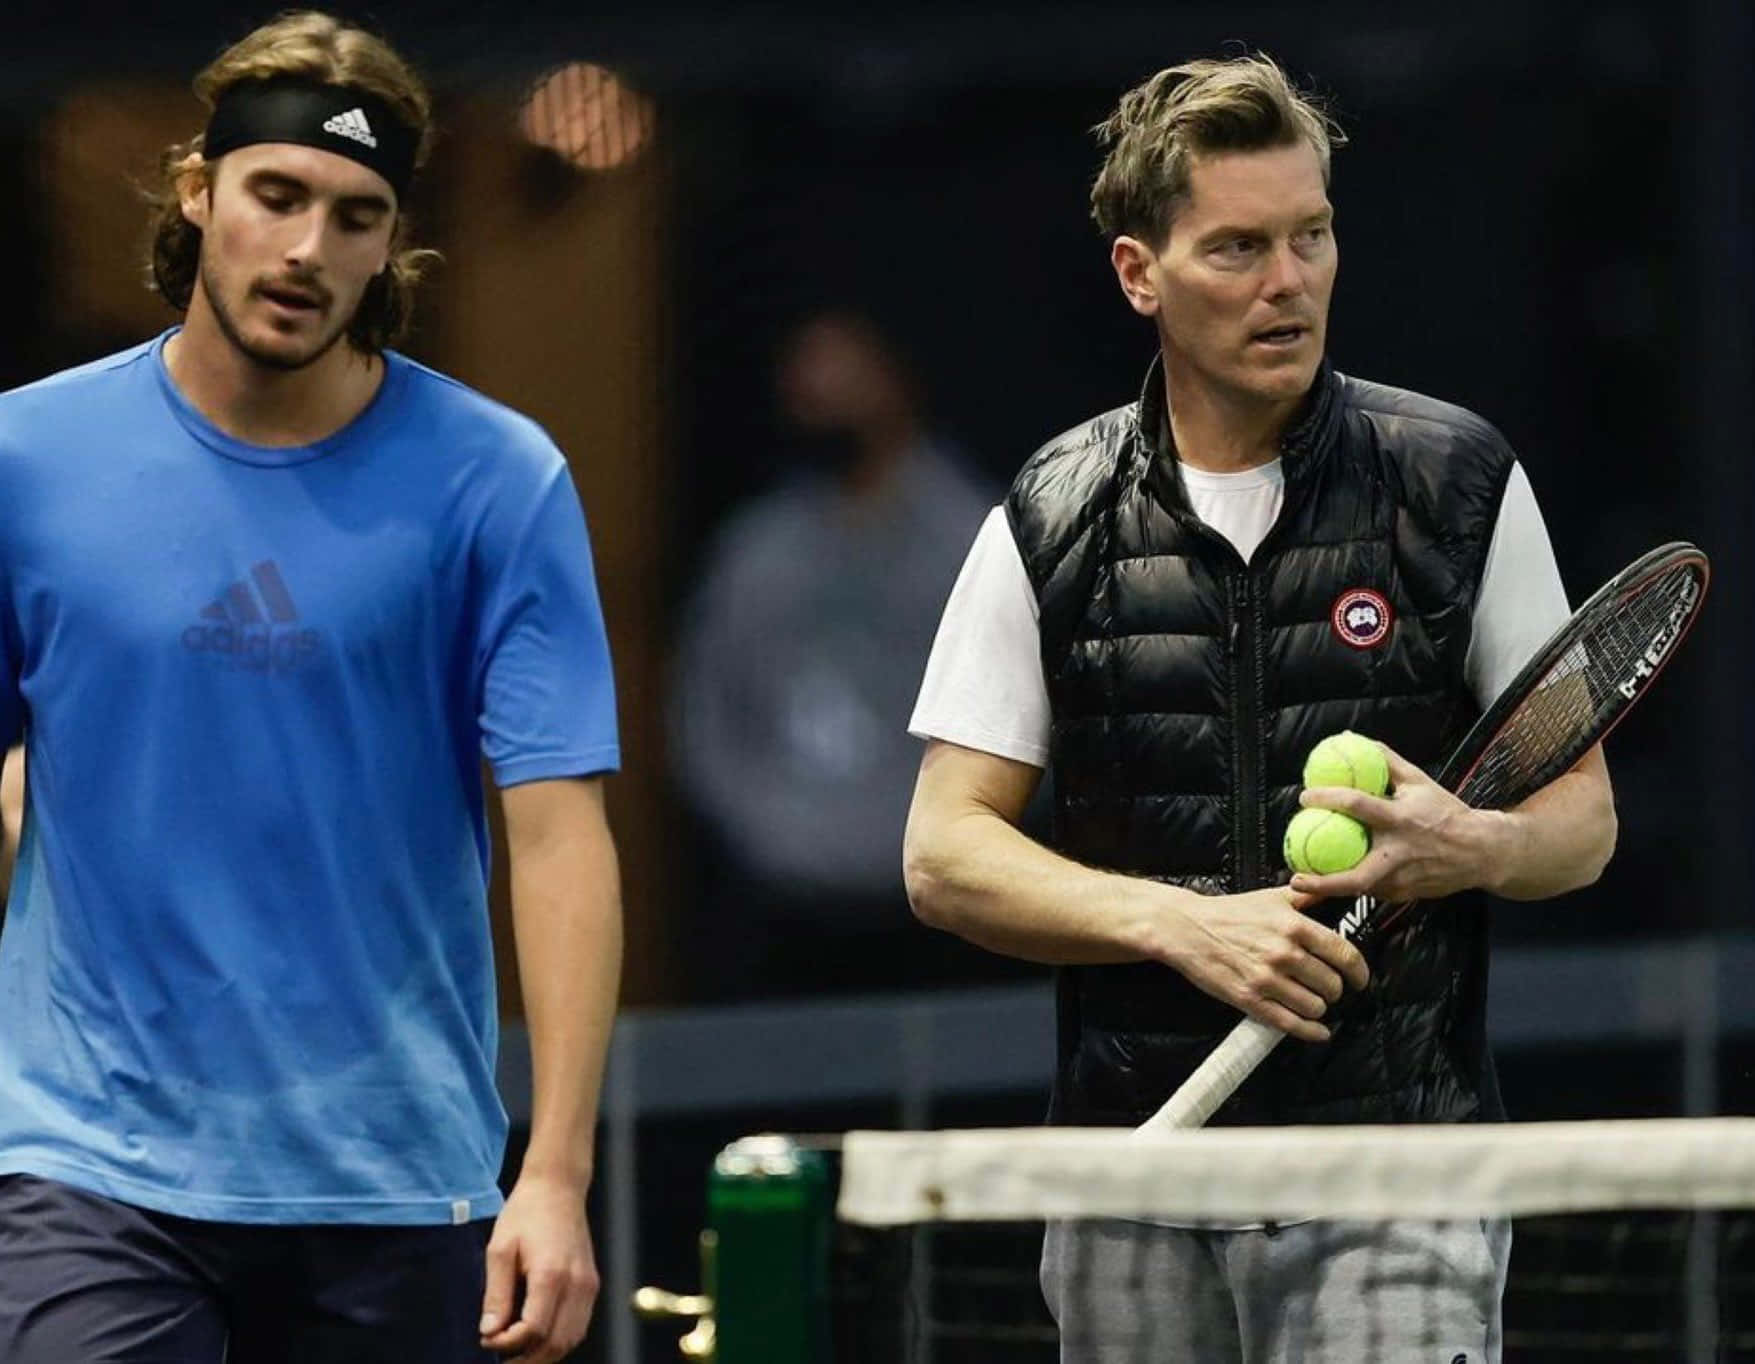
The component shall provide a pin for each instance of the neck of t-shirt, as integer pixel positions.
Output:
(1237, 481)
(263, 407)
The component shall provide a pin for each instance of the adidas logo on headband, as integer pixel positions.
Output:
(352, 124)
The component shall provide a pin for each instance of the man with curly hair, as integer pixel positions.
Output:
(269, 592)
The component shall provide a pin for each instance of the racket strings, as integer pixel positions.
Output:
(1592, 679)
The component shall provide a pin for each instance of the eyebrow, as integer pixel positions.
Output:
(1224, 230)
(281, 180)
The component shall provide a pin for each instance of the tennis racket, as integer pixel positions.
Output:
(1564, 701)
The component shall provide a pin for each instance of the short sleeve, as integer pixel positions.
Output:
(1522, 601)
(547, 693)
(984, 687)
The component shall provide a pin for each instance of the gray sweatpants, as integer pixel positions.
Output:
(1310, 1293)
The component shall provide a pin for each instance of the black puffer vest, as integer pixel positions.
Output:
(1186, 689)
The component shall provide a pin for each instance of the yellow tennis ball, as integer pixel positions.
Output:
(1348, 759)
(1322, 842)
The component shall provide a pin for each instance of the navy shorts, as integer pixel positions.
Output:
(87, 1279)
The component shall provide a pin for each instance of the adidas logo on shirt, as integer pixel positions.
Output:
(352, 124)
(254, 627)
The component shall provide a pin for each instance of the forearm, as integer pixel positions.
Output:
(969, 870)
(977, 876)
(11, 815)
(1558, 840)
(566, 916)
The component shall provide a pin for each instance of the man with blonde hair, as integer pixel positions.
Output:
(1176, 601)
(269, 591)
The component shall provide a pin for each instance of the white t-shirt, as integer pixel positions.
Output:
(984, 687)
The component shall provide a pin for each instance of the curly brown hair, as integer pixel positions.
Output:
(1236, 104)
(321, 48)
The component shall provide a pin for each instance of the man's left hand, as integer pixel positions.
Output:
(1425, 843)
(542, 1276)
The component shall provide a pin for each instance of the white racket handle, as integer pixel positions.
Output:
(1216, 1079)
(1246, 1046)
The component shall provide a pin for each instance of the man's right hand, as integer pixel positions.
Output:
(1261, 953)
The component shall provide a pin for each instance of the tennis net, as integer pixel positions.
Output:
(1630, 1240)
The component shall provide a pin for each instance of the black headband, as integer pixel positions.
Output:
(343, 119)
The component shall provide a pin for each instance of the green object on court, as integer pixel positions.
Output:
(1321, 842)
(769, 1204)
(1348, 759)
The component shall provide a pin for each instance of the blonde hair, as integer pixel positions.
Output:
(319, 48)
(1238, 104)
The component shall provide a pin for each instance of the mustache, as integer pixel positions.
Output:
(300, 285)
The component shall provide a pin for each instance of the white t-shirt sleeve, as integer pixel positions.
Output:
(983, 687)
(1522, 601)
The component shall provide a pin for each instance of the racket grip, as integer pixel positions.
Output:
(1215, 1080)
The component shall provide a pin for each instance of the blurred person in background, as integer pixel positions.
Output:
(269, 592)
(798, 659)
(1177, 600)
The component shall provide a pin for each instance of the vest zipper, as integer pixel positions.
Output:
(1249, 853)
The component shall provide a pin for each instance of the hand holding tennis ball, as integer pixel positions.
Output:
(1323, 842)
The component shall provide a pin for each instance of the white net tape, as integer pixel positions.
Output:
(1228, 1174)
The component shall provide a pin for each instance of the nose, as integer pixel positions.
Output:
(1285, 273)
(304, 252)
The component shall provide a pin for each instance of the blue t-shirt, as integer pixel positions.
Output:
(246, 972)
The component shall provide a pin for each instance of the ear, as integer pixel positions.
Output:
(195, 190)
(1133, 261)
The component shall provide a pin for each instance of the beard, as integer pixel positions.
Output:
(268, 359)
